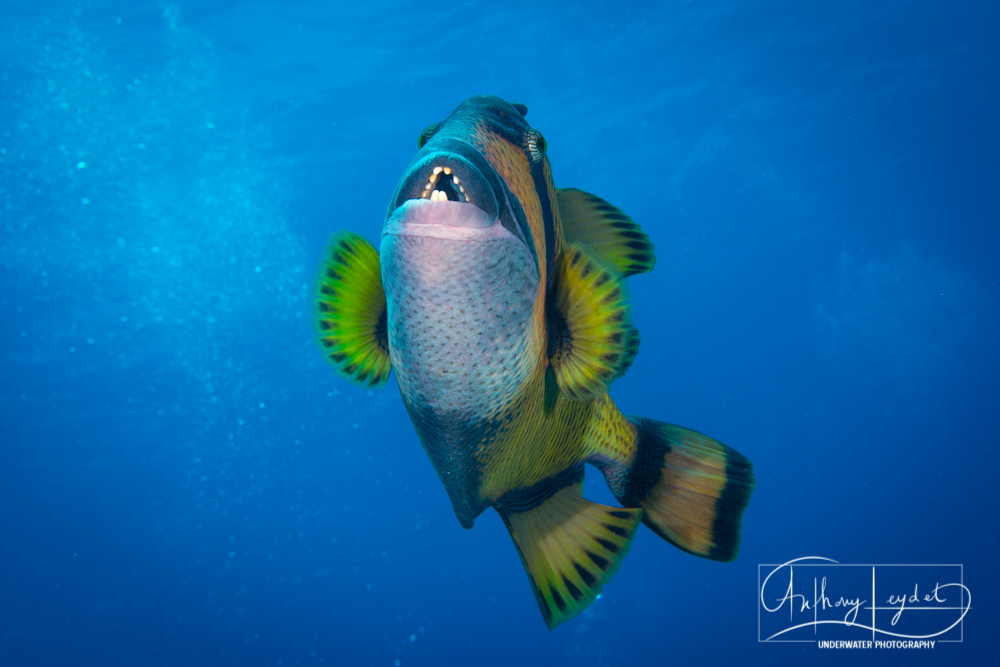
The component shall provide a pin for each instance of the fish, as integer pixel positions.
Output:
(500, 303)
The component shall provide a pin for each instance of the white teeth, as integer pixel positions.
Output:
(437, 195)
(428, 186)
(447, 170)
(455, 179)
(437, 170)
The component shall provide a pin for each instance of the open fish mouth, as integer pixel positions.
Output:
(445, 189)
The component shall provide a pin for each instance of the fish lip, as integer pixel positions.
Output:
(438, 168)
(444, 220)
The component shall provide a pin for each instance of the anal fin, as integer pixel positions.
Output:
(570, 548)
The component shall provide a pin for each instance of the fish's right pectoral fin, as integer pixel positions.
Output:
(351, 310)
(570, 548)
(591, 338)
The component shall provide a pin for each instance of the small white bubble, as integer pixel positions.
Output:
(413, 638)
(261, 405)
(81, 165)
(141, 145)
(211, 126)
(155, 248)
(257, 269)
(232, 554)
(118, 21)
(355, 425)
(124, 318)
(90, 341)
(396, 663)
(72, 349)
(368, 586)
(84, 201)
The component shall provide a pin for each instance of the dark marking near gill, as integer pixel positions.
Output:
(382, 330)
(585, 574)
(551, 390)
(548, 218)
(573, 590)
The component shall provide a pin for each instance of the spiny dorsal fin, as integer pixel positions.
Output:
(351, 313)
(591, 339)
(570, 547)
(603, 228)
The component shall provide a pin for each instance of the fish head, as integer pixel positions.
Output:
(464, 267)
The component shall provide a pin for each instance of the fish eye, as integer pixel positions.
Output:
(536, 145)
(428, 132)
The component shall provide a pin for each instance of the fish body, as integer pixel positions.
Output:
(500, 303)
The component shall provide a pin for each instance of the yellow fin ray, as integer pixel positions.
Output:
(570, 548)
(605, 230)
(591, 339)
(351, 310)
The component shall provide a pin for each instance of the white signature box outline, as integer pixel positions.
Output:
(831, 563)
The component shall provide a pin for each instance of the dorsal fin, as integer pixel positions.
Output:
(591, 337)
(605, 230)
(352, 311)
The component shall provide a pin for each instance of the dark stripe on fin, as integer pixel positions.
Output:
(591, 341)
(570, 548)
(605, 230)
(693, 488)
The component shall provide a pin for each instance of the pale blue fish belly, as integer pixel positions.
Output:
(460, 339)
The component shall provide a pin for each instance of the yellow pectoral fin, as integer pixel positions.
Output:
(351, 310)
(605, 230)
(591, 339)
(570, 547)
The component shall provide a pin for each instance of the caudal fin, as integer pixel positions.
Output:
(570, 547)
(692, 487)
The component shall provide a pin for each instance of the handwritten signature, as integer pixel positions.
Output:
(773, 602)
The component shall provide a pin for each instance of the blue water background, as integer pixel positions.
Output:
(184, 480)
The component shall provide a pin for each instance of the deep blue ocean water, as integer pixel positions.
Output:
(185, 481)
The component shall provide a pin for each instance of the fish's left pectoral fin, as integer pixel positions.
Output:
(591, 338)
(351, 310)
(570, 548)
